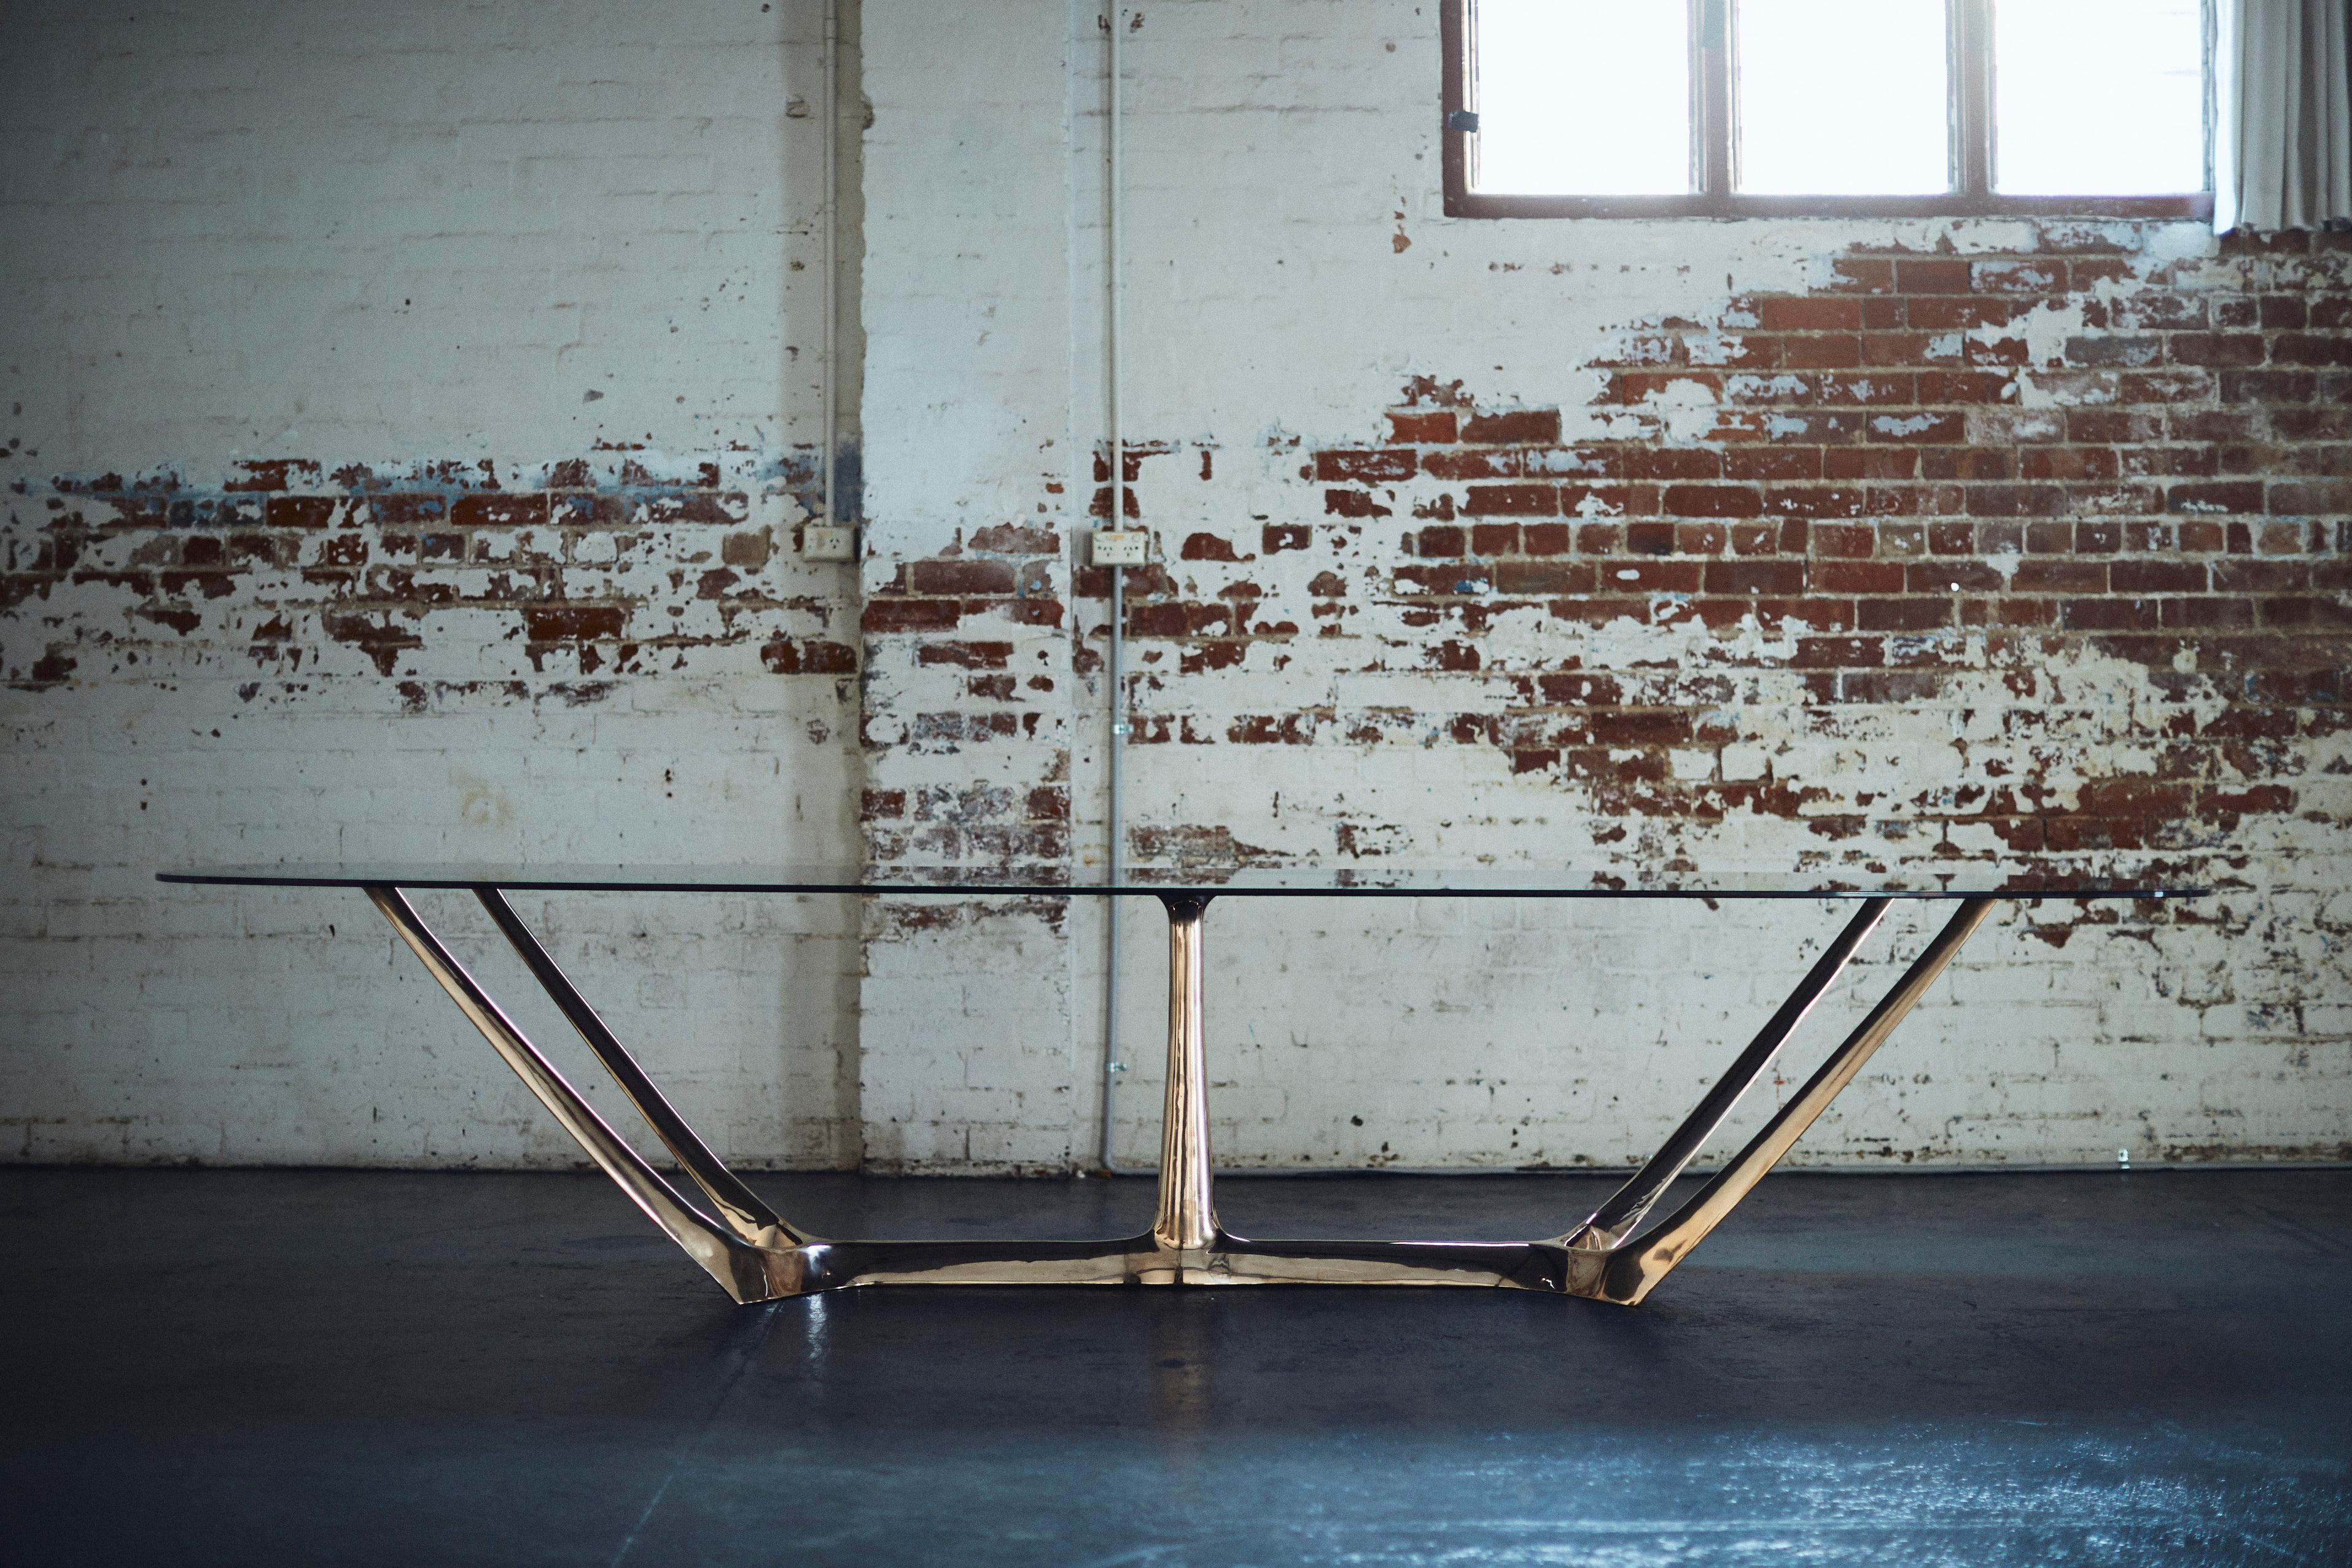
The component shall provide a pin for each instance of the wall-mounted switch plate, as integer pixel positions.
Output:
(821, 543)
(1122, 547)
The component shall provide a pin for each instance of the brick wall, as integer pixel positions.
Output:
(460, 428)
(1888, 496)
(1823, 546)
(410, 416)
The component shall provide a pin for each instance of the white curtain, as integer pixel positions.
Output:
(2283, 143)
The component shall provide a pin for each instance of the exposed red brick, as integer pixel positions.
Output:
(1422, 427)
(1516, 427)
(1932, 276)
(2312, 496)
(1773, 462)
(1712, 501)
(1857, 576)
(1903, 615)
(1864, 274)
(946, 578)
(1813, 502)
(300, 511)
(1960, 314)
(1824, 351)
(487, 510)
(887, 615)
(1351, 504)
(1511, 501)
(570, 623)
(1839, 653)
(1544, 577)
(784, 656)
(1014, 539)
(1754, 577)
(1626, 576)
(2230, 496)
(1701, 539)
(1671, 463)
(2312, 348)
(1808, 313)
(969, 655)
(2155, 577)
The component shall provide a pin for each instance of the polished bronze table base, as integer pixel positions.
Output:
(756, 1255)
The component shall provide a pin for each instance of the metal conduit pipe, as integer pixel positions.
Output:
(1113, 826)
(829, 114)
(1112, 1065)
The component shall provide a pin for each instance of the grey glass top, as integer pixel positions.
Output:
(1278, 882)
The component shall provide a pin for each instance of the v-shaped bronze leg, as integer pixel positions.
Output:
(746, 1271)
(1600, 1262)
(743, 1210)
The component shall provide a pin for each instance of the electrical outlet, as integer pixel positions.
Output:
(819, 542)
(1122, 547)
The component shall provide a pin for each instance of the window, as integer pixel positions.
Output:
(1764, 108)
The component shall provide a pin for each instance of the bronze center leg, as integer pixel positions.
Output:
(1186, 1221)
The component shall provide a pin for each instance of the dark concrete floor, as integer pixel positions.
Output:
(423, 1369)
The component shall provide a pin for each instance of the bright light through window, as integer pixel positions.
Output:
(1842, 97)
(1590, 97)
(2098, 96)
(1755, 108)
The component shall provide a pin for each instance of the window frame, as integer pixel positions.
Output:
(1714, 139)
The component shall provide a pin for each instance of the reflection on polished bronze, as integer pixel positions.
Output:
(757, 1256)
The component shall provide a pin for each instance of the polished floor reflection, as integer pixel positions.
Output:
(359, 1367)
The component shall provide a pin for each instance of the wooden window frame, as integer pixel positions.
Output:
(1714, 140)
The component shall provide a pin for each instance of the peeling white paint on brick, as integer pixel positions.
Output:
(1323, 718)
(1265, 296)
(460, 248)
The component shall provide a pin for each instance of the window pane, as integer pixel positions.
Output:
(1844, 97)
(1583, 97)
(2098, 98)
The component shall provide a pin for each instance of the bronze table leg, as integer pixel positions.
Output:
(1609, 1267)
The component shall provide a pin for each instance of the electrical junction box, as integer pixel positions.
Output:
(821, 543)
(1122, 547)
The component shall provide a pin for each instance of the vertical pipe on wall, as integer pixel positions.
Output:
(1112, 1065)
(829, 115)
(1114, 830)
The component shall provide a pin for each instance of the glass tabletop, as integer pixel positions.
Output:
(1293, 881)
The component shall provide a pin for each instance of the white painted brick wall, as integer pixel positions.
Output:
(420, 237)
(482, 239)
(1289, 267)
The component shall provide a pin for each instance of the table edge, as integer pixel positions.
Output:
(2135, 893)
